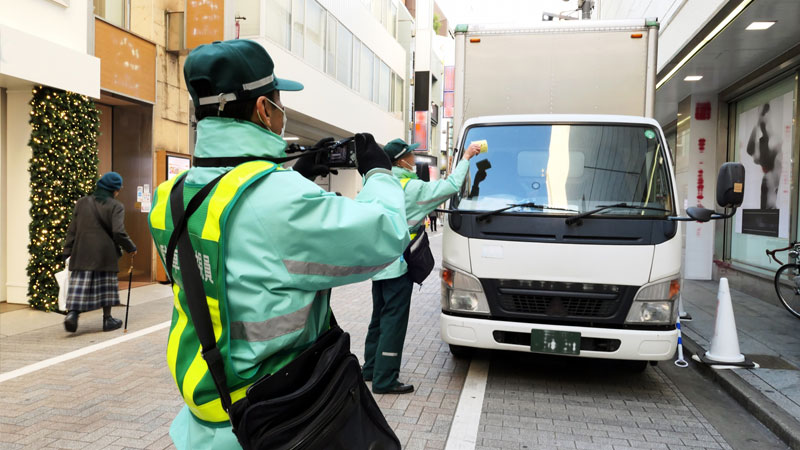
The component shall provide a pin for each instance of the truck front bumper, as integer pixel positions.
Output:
(634, 344)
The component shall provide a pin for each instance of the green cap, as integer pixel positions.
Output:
(238, 69)
(398, 148)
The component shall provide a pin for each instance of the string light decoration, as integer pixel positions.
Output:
(63, 168)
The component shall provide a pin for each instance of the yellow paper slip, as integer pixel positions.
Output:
(484, 145)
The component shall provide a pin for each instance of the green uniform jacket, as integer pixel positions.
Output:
(285, 240)
(421, 198)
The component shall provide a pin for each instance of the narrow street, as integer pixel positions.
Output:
(122, 396)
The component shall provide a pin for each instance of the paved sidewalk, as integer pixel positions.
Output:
(124, 397)
(769, 335)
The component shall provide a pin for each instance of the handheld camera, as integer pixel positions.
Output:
(339, 154)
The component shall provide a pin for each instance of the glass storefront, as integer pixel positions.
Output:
(764, 142)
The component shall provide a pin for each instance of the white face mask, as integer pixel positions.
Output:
(408, 167)
(285, 119)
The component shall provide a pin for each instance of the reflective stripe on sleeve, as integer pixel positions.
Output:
(329, 270)
(271, 328)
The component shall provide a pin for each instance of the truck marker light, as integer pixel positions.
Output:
(636, 36)
(475, 40)
(674, 288)
(447, 277)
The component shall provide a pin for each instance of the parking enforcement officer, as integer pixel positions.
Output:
(391, 288)
(274, 238)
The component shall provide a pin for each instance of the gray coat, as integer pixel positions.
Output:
(88, 244)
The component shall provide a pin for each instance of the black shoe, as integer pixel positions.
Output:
(399, 388)
(110, 323)
(71, 321)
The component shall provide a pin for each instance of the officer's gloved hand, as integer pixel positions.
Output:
(370, 155)
(308, 166)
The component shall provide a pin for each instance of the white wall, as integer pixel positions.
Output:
(326, 99)
(680, 19)
(51, 21)
(17, 203)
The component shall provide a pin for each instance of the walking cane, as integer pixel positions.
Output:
(128, 303)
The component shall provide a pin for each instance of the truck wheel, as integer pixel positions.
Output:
(461, 352)
(634, 366)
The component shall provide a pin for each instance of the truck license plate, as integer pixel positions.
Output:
(557, 342)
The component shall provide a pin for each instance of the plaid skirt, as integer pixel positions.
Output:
(89, 290)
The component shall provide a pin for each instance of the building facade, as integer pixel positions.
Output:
(728, 91)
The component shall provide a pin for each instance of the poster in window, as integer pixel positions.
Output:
(176, 165)
(765, 148)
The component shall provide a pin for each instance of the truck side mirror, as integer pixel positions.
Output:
(699, 214)
(730, 185)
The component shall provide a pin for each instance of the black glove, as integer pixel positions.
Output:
(309, 167)
(370, 155)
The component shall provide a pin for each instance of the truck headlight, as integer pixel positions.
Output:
(656, 304)
(462, 292)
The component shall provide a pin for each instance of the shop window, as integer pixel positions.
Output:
(250, 11)
(278, 23)
(298, 26)
(764, 130)
(114, 12)
(330, 46)
(344, 55)
(315, 34)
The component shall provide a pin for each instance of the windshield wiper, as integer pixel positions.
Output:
(577, 217)
(485, 216)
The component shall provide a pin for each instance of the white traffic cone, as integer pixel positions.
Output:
(725, 343)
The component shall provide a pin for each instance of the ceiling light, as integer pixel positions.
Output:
(758, 26)
(693, 78)
(291, 138)
(718, 29)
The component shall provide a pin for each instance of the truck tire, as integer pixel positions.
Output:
(634, 366)
(461, 352)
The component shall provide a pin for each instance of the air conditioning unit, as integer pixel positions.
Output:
(176, 36)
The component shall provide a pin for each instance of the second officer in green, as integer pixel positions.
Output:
(391, 288)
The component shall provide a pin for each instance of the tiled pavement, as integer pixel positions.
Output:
(124, 397)
(537, 402)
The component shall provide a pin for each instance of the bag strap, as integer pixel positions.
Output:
(183, 216)
(99, 219)
(195, 292)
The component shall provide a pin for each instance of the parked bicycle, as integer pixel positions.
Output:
(789, 290)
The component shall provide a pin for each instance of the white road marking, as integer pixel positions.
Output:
(464, 429)
(80, 352)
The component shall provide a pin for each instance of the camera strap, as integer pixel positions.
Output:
(233, 161)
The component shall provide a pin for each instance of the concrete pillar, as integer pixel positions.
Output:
(17, 204)
(3, 192)
(701, 185)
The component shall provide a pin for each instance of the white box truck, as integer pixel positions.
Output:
(564, 238)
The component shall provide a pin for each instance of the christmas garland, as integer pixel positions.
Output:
(63, 168)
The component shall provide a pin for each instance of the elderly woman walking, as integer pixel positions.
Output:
(94, 241)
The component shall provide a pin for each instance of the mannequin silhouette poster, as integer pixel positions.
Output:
(765, 149)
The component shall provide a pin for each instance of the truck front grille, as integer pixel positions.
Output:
(558, 306)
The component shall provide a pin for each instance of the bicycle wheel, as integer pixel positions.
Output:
(787, 285)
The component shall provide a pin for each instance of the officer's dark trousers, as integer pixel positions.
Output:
(383, 351)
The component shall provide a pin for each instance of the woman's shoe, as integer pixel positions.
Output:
(71, 321)
(110, 323)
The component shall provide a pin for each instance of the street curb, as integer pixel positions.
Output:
(783, 424)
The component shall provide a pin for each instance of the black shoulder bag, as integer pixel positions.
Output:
(318, 401)
(419, 257)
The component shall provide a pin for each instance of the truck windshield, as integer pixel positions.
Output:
(577, 167)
